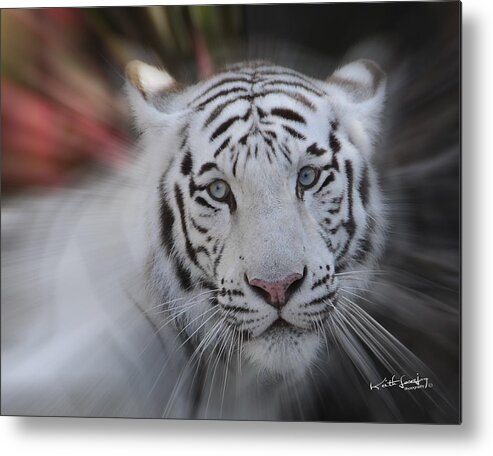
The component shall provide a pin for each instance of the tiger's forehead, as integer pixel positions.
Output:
(259, 113)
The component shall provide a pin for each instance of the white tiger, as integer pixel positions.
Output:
(213, 277)
(267, 185)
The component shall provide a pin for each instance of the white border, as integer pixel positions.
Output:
(52, 436)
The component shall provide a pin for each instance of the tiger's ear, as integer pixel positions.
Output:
(149, 90)
(359, 88)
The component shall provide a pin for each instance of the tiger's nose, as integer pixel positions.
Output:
(277, 293)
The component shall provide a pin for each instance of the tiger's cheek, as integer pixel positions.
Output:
(325, 211)
(212, 229)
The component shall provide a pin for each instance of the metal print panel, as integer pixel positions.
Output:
(232, 212)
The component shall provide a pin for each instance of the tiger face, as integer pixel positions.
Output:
(266, 197)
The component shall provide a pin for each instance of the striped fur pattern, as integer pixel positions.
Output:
(254, 126)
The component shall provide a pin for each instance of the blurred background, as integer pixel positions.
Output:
(62, 105)
(62, 68)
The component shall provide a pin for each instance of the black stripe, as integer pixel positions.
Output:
(223, 127)
(184, 135)
(188, 245)
(364, 248)
(220, 94)
(217, 260)
(235, 164)
(166, 220)
(226, 124)
(288, 114)
(222, 146)
(193, 187)
(184, 276)
(231, 308)
(330, 178)
(219, 109)
(293, 132)
(186, 164)
(328, 243)
(214, 248)
(206, 167)
(348, 167)
(204, 203)
(204, 283)
(320, 300)
(321, 281)
(334, 211)
(286, 156)
(318, 313)
(335, 229)
(315, 150)
(334, 164)
(335, 145)
(218, 84)
(199, 228)
(267, 140)
(364, 187)
(349, 225)
(364, 243)
(202, 249)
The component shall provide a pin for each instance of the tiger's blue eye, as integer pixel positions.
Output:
(308, 176)
(219, 190)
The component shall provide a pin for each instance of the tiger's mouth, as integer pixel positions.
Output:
(282, 351)
(280, 327)
(281, 331)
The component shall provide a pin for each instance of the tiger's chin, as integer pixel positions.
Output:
(282, 352)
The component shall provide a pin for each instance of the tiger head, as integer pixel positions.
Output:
(262, 201)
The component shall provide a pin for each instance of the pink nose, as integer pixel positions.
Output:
(276, 291)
